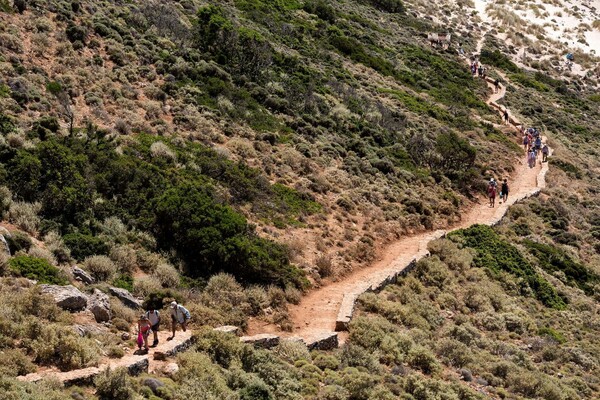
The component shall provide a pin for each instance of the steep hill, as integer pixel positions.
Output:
(234, 155)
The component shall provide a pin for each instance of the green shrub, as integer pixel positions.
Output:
(61, 346)
(113, 385)
(37, 269)
(554, 259)
(18, 241)
(83, 246)
(390, 6)
(124, 282)
(498, 255)
(421, 358)
(498, 59)
(555, 335)
(101, 267)
(14, 362)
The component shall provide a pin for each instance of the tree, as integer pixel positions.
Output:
(456, 154)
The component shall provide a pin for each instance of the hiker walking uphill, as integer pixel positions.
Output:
(491, 190)
(545, 151)
(505, 116)
(144, 330)
(496, 85)
(504, 191)
(154, 318)
(179, 316)
(531, 157)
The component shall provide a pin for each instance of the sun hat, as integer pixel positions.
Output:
(143, 317)
(173, 304)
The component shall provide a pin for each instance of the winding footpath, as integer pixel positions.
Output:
(330, 308)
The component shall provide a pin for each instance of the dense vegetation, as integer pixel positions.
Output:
(79, 182)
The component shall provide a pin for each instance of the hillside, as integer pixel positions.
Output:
(235, 156)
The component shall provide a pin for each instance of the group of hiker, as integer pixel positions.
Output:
(149, 323)
(533, 145)
(492, 191)
(477, 69)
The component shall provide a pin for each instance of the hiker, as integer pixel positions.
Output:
(531, 158)
(144, 327)
(504, 191)
(525, 143)
(497, 85)
(506, 116)
(154, 318)
(179, 315)
(480, 70)
(492, 193)
(545, 151)
(538, 145)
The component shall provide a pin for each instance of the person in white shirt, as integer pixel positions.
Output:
(154, 318)
(179, 315)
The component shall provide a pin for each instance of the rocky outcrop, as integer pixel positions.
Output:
(126, 298)
(66, 297)
(82, 276)
(264, 340)
(99, 305)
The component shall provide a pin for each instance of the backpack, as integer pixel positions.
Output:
(184, 311)
(155, 312)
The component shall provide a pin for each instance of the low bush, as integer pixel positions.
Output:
(101, 267)
(13, 362)
(61, 346)
(18, 241)
(167, 275)
(498, 255)
(113, 385)
(83, 246)
(37, 269)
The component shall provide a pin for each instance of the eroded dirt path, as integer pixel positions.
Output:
(321, 308)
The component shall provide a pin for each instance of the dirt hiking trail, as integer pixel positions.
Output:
(330, 307)
(134, 363)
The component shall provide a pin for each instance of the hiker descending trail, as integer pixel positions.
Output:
(330, 308)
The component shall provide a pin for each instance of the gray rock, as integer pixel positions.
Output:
(481, 381)
(125, 336)
(99, 305)
(153, 384)
(264, 340)
(66, 297)
(228, 329)
(126, 298)
(326, 341)
(4, 245)
(466, 375)
(82, 276)
(90, 329)
(170, 369)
